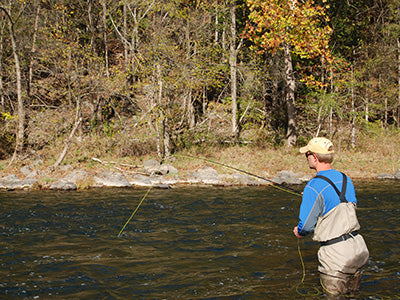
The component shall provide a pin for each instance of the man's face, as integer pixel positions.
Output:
(311, 158)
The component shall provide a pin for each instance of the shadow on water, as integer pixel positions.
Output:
(183, 243)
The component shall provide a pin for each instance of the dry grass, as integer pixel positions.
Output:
(377, 152)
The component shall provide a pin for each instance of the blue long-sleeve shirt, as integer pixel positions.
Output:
(319, 197)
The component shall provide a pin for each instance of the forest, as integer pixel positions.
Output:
(134, 77)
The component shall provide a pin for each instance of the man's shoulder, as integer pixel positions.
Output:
(331, 174)
(321, 180)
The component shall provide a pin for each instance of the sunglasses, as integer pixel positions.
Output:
(308, 154)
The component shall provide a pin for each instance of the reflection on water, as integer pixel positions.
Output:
(187, 243)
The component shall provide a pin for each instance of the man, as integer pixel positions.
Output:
(328, 209)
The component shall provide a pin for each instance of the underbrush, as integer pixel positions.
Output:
(377, 150)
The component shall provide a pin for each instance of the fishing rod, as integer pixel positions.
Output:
(274, 184)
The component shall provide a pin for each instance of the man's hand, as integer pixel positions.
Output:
(296, 233)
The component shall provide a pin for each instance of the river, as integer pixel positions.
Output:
(189, 242)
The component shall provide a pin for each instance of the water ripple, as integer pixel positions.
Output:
(184, 243)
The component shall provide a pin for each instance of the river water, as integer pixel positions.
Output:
(183, 243)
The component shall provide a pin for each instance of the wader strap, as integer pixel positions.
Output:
(342, 194)
(343, 237)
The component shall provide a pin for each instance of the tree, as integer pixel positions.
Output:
(19, 142)
(296, 28)
(33, 49)
(233, 67)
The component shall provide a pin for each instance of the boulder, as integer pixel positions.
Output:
(12, 182)
(242, 179)
(151, 167)
(69, 182)
(65, 168)
(28, 172)
(32, 175)
(208, 175)
(76, 175)
(63, 185)
(385, 176)
(287, 177)
(162, 186)
(140, 180)
(168, 169)
(109, 179)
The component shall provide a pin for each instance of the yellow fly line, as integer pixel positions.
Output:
(273, 184)
(137, 207)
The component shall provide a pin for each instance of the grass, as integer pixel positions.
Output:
(269, 161)
(377, 151)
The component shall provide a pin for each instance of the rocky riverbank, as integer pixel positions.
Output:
(151, 173)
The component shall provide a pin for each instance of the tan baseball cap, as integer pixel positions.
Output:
(318, 145)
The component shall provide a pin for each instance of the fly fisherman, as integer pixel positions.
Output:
(328, 209)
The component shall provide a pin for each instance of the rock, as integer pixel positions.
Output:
(151, 167)
(12, 182)
(170, 180)
(69, 182)
(33, 174)
(28, 172)
(208, 175)
(168, 169)
(109, 179)
(242, 179)
(162, 186)
(385, 176)
(156, 182)
(75, 176)
(63, 185)
(65, 168)
(397, 174)
(140, 180)
(305, 178)
(287, 177)
(192, 179)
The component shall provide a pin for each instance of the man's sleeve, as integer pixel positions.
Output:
(312, 206)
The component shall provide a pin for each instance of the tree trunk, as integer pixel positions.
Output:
(166, 132)
(291, 134)
(160, 117)
(188, 107)
(19, 137)
(216, 29)
(91, 27)
(125, 34)
(67, 142)
(233, 68)
(386, 113)
(353, 110)
(398, 73)
(398, 82)
(2, 100)
(105, 37)
(33, 50)
(190, 110)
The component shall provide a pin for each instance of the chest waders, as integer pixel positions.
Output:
(342, 197)
(343, 252)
